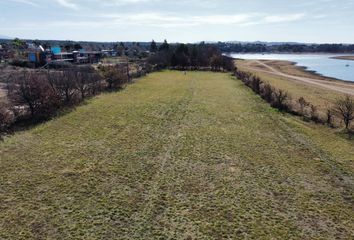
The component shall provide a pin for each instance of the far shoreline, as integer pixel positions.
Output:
(303, 71)
(299, 65)
(351, 58)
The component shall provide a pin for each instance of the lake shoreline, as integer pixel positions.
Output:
(326, 66)
(314, 73)
(351, 58)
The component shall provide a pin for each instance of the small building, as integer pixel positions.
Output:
(39, 56)
(109, 53)
(83, 57)
(63, 57)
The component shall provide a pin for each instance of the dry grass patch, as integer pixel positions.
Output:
(194, 156)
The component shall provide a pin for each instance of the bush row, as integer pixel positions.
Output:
(280, 99)
(36, 95)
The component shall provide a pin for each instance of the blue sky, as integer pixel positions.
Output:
(180, 21)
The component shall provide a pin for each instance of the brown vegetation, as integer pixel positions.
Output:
(115, 76)
(37, 95)
(281, 100)
(345, 108)
(5, 117)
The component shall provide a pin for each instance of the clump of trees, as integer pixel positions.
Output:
(189, 57)
(303, 105)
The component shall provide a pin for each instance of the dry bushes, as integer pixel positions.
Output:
(37, 95)
(115, 76)
(5, 117)
(345, 109)
(32, 90)
(280, 99)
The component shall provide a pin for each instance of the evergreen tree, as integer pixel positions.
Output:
(153, 46)
(165, 46)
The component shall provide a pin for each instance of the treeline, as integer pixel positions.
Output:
(285, 48)
(35, 96)
(343, 109)
(189, 57)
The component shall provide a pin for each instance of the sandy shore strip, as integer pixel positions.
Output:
(345, 58)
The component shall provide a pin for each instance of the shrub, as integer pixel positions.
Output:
(5, 117)
(228, 63)
(216, 62)
(280, 98)
(314, 114)
(256, 84)
(303, 105)
(115, 76)
(84, 81)
(329, 116)
(64, 85)
(267, 92)
(34, 91)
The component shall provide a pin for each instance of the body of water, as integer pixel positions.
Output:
(321, 63)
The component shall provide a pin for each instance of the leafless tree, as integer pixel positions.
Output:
(303, 105)
(63, 84)
(280, 98)
(67, 85)
(34, 91)
(345, 108)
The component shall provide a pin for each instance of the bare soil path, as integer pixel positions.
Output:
(342, 87)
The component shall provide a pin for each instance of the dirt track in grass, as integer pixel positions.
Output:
(337, 86)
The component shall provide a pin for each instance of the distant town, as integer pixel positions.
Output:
(40, 53)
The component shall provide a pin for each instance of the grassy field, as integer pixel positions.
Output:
(176, 156)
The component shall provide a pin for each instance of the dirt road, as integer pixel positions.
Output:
(342, 87)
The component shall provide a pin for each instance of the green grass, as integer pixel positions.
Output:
(177, 157)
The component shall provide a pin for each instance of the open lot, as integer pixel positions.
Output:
(174, 156)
